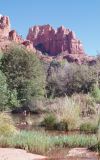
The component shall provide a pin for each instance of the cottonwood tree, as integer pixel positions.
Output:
(24, 73)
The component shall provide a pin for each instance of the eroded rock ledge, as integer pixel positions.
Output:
(46, 39)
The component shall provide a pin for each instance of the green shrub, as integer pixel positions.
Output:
(88, 127)
(96, 93)
(61, 126)
(7, 127)
(49, 121)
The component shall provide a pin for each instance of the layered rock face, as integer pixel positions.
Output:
(44, 39)
(13, 36)
(53, 42)
(4, 26)
(7, 36)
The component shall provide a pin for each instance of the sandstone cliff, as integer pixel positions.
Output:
(4, 27)
(53, 42)
(58, 44)
(8, 36)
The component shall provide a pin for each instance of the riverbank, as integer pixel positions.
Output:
(73, 154)
(18, 154)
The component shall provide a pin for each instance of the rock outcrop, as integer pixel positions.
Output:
(7, 36)
(49, 44)
(4, 26)
(13, 36)
(53, 42)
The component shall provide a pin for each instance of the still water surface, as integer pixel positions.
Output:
(57, 154)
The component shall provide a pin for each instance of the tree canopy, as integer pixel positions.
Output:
(24, 73)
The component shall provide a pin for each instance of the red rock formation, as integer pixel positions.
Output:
(48, 40)
(4, 26)
(13, 36)
(53, 42)
(8, 36)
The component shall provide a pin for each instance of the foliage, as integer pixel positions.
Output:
(6, 125)
(37, 105)
(96, 146)
(31, 141)
(3, 92)
(87, 104)
(69, 78)
(88, 127)
(12, 99)
(49, 121)
(70, 113)
(61, 126)
(76, 140)
(66, 110)
(96, 93)
(24, 73)
(40, 142)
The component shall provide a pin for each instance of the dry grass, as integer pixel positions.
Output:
(66, 110)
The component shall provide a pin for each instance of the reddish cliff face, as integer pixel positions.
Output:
(4, 26)
(13, 36)
(53, 42)
(7, 36)
(47, 40)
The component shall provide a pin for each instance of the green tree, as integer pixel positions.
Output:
(24, 73)
(3, 92)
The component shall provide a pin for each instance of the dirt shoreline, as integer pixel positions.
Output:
(73, 154)
(18, 154)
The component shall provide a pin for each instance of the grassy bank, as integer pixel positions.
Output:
(36, 142)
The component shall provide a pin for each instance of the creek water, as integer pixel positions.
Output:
(58, 153)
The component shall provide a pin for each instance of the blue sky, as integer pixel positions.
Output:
(81, 16)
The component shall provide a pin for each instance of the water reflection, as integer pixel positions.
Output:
(23, 122)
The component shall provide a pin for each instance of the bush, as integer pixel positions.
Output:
(88, 127)
(61, 126)
(96, 93)
(70, 113)
(37, 105)
(69, 79)
(87, 104)
(49, 121)
(66, 110)
(6, 125)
